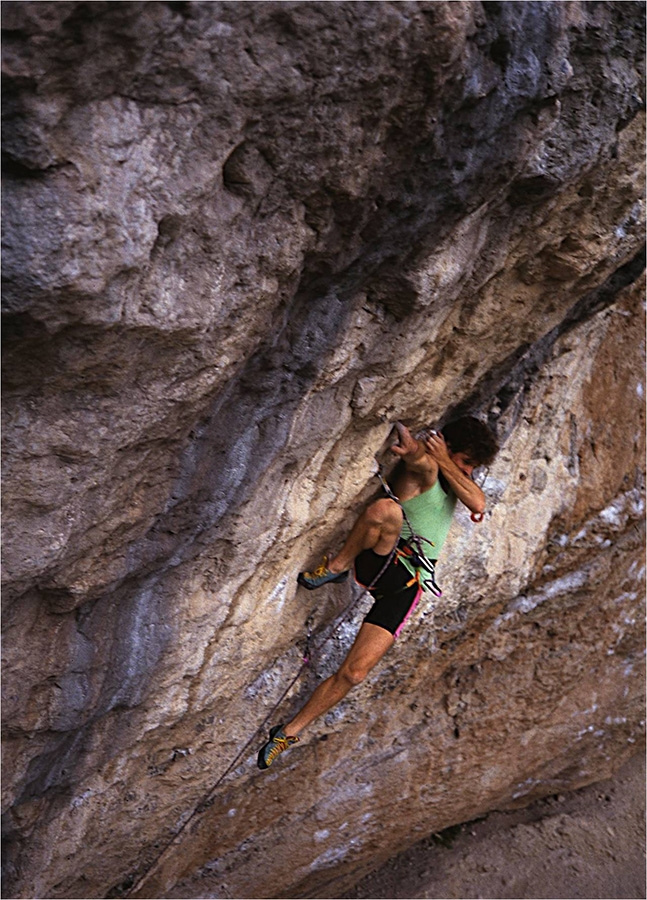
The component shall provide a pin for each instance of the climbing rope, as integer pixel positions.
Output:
(429, 583)
(208, 799)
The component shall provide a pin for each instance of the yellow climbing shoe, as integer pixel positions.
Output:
(278, 742)
(321, 575)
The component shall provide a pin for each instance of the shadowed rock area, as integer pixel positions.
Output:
(240, 240)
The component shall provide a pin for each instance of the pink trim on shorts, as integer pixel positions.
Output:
(411, 609)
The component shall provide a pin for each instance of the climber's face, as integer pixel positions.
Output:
(464, 462)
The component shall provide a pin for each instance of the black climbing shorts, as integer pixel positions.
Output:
(394, 601)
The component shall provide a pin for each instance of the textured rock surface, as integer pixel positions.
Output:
(581, 844)
(240, 239)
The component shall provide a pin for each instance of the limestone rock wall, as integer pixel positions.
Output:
(240, 240)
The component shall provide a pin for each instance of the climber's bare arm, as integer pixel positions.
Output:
(420, 469)
(411, 451)
(459, 479)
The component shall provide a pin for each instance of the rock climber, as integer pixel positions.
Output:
(390, 547)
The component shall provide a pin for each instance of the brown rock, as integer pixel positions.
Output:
(242, 239)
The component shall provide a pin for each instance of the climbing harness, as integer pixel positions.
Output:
(412, 551)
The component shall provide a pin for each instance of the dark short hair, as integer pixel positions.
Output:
(470, 435)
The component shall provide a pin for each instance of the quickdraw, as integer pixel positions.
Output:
(416, 554)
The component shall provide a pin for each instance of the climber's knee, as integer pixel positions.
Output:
(385, 512)
(352, 674)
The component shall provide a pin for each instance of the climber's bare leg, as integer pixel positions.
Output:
(378, 528)
(370, 645)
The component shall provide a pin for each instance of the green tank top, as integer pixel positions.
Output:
(430, 514)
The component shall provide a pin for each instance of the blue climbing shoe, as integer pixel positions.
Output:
(278, 742)
(321, 575)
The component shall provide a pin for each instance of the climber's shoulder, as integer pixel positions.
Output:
(408, 482)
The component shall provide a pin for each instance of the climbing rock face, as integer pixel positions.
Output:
(241, 239)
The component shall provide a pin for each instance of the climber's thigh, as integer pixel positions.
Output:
(395, 597)
(384, 517)
(391, 611)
